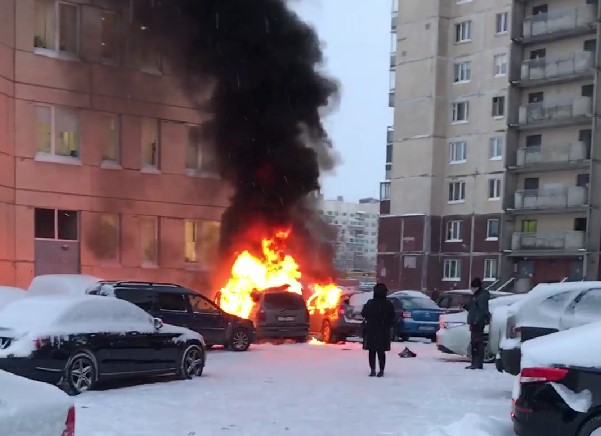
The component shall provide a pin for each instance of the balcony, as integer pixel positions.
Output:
(544, 71)
(391, 98)
(393, 59)
(393, 21)
(389, 135)
(562, 200)
(556, 243)
(541, 115)
(558, 24)
(552, 157)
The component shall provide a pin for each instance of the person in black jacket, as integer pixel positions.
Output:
(478, 316)
(378, 314)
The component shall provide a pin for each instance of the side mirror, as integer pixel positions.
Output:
(158, 323)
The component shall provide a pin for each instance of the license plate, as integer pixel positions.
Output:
(427, 329)
(286, 318)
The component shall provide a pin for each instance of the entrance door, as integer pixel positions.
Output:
(56, 242)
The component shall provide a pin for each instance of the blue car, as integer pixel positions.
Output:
(415, 317)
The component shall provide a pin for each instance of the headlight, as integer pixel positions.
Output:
(450, 325)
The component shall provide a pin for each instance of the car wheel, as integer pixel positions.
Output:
(193, 362)
(240, 340)
(301, 339)
(591, 426)
(80, 373)
(488, 356)
(326, 332)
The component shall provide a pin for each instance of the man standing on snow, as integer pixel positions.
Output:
(478, 316)
(379, 315)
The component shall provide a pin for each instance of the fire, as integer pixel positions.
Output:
(314, 341)
(324, 297)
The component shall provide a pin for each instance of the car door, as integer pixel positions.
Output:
(584, 309)
(208, 320)
(173, 307)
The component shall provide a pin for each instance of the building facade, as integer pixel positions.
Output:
(101, 168)
(490, 162)
(357, 232)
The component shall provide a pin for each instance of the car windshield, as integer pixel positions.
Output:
(283, 300)
(410, 303)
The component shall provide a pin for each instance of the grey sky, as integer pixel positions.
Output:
(356, 38)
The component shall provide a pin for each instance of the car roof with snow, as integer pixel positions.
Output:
(61, 284)
(543, 291)
(409, 293)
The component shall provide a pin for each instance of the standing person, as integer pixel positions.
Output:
(379, 315)
(478, 316)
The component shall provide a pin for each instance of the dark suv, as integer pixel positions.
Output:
(182, 307)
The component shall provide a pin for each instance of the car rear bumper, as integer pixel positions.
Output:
(282, 331)
(32, 369)
(548, 423)
(344, 328)
(510, 359)
(417, 328)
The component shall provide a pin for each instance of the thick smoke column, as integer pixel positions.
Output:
(257, 63)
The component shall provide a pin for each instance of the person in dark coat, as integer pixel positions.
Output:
(378, 314)
(478, 316)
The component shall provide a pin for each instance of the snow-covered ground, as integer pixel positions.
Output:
(309, 389)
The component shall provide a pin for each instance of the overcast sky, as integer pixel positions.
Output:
(356, 42)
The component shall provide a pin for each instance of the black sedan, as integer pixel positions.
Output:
(74, 342)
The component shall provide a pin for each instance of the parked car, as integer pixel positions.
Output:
(496, 330)
(453, 336)
(548, 308)
(31, 408)
(179, 306)
(61, 284)
(415, 317)
(337, 323)
(280, 314)
(559, 389)
(457, 300)
(8, 294)
(76, 341)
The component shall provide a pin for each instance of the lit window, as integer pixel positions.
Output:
(108, 36)
(452, 270)
(149, 240)
(453, 231)
(502, 22)
(463, 31)
(457, 152)
(498, 106)
(492, 229)
(494, 189)
(57, 131)
(456, 192)
(150, 143)
(500, 65)
(461, 111)
(462, 72)
(495, 150)
(202, 242)
(56, 26)
(201, 155)
(490, 270)
(112, 142)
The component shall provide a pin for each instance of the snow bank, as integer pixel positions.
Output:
(475, 425)
(30, 408)
(9, 294)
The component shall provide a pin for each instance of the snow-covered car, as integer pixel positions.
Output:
(30, 408)
(453, 336)
(458, 299)
(61, 284)
(559, 387)
(8, 294)
(73, 342)
(548, 308)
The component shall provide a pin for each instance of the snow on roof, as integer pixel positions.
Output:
(567, 348)
(9, 294)
(409, 293)
(61, 284)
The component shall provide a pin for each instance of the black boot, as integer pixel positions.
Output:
(381, 373)
(372, 373)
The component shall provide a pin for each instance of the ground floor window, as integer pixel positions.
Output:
(490, 269)
(56, 224)
(452, 270)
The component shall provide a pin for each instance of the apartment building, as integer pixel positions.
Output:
(490, 162)
(357, 232)
(102, 169)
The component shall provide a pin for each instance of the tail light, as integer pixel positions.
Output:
(341, 311)
(406, 314)
(39, 343)
(70, 423)
(262, 316)
(542, 375)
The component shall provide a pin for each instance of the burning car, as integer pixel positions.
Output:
(333, 320)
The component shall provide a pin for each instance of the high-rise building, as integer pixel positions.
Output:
(489, 161)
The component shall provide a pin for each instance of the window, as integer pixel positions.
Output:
(393, 43)
(492, 229)
(536, 97)
(56, 27)
(453, 231)
(56, 224)
(502, 22)
(202, 305)
(580, 224)
(494, 189)
(540, 53)
(541, 9)
(141, 298)
(201, 155)
(495, 148)
(582, 180)
(111, 149)
(456, 192)
(462, 72)
(173, 302)
(500, 65)
(392, 80)
(108, 35)
(461, 111)
(457, 152)
(531, 184)
(498, 106)
(150, 143)
(529, 226)
(385, 191)
(283, 301)
(452, 270)
(149, 240)
(107, 234)
(590, 45)
(534, 141)
(202, 242)
(585, 308)
(57, 131)
(463, 31)
(587, 90)
(490, 270)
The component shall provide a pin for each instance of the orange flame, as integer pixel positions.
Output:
(314, 341)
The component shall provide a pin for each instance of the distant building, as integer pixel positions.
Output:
(357, 225)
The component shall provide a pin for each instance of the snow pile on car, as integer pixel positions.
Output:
(61, 284)
(475, 425)
(9, 294)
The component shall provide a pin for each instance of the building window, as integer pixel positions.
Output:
(495, 148)
(500, 65)
(108, 35)
(502, 22)
(56, 27)
(57, 131)
(108, 237)
(56, 224)
(462, 72)
(492, 229)
(456, 192)
(494, 189)
(385, 191)
(111, 147)
(453, 231)
(202, 242)
(529, 226)
(490, 270)
(461, 111)
(457, 152)
(463, 31)
(150, 143)
(452, 270)
(201, 155)
(498, 106)
(392, 80)
(149, 240)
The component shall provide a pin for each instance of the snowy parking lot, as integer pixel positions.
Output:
(301, 389)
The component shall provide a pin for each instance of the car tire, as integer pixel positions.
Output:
(240, 340)
(301, 339)
(80, 373)
(590, 426)
(192, 363)
(327, 335)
